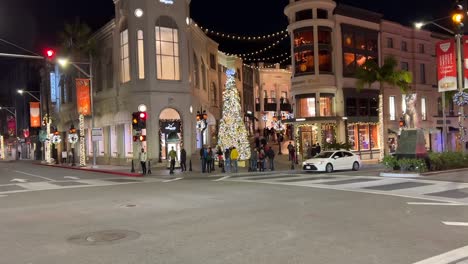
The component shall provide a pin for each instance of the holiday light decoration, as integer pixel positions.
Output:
(244, 38)
(232, 131)
(2, 148)
(267, 58)
(72, 138)
(272, 45)
(460, 98)
(56, 139)
(269, 67)
(82, 142)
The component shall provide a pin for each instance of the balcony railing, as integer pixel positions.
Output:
(270, 104)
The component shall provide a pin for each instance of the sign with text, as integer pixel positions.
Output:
(168, 127)
(83, 97)
(446, 65)
(35, 114)
(97, 134)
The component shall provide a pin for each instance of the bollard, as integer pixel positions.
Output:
(190, 165)
(149, 166)
(133, 167)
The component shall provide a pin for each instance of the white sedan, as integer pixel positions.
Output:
(329, 161)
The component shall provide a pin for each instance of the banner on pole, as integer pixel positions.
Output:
(83, 97)
(34, 114)
(446, 65)
(11, 124)
(465, 61)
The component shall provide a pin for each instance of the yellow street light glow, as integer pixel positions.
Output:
(63, 62)
(457, 18)
(418, 25)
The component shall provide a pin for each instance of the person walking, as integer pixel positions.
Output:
(209, 160)
(261, 159)
(227, 158)
(318, 149)
(173, 158)
(219, 153)
(271, 158)
(143, 159)
(234, 157)
(253, 159)
(183, 160)
(290, 147)
(203, 152)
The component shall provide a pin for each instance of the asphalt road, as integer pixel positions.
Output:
(205, 221)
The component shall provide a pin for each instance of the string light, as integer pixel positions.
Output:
(82, 141)
(268, 58)
(243, 38)
(260, 50)
(269, 66)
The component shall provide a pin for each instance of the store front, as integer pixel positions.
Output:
(364, 139)
(170, 132)
(309, 134)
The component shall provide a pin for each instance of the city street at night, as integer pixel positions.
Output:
(246, 218)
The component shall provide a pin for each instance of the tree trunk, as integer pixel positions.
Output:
(382, 131)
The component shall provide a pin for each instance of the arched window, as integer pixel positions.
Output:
(124, 55)
(167, 49)
(141, 55)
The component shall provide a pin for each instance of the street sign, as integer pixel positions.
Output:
(97, 134)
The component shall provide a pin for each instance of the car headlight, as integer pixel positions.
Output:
(304, 163)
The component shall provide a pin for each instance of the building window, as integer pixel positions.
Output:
(124, 57)
(392, 108)
(421, 48)
(439, 107)
(304, 51)
(404, 46)
(423, 109)
(141, 55)
(113, 142)
(273, 94)
(326, 105)
(422, 72)
(304, 15)
(351, 106)
(404, 66)
(306, 107)
(196, 72)
(167, 49)
(109, 69)
(284, 95)
(214, 94)
(359, 45)
(128, 138)
(363, 137)
(403, 103)
(212, 61)
(362, 106)
(322, 14)
(325, 49)
(390, 43)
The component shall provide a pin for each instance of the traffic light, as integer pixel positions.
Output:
(50, 54)
(142, 120)
(135, 120)
(142, 138)
(458, 14)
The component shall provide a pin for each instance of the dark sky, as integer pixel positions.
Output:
(35, 24)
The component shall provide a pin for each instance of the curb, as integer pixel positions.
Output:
(442, 172)
(94, 170)
(400, 175)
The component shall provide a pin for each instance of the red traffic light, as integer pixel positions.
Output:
(142, 138)
(143, 115)
(50, 53)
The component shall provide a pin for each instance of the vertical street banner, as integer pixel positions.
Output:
(83, 97)
(465, 61)
(446, 65)
(11, 125)
(34, 114)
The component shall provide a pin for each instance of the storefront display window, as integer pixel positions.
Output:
(304, 61)
(359, 45)
(304, 36)
(363, 137)
(306, 107)
(328, 133)
(326, 105)
(304, 51)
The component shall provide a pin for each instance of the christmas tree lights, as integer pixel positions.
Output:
(232, 131)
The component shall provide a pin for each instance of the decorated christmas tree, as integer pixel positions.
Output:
(232, 131)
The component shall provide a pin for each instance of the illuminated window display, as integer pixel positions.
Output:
(359, 45)
(363, 137)
(306, 107)
(304, 51)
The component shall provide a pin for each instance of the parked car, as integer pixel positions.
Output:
(329, 161)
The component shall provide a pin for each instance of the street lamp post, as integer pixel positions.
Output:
(64, 62)
(30, 93)
(202, 123)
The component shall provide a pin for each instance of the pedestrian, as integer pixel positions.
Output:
(234, 157)
(219, 153)
(209, 160)
(143, 159)
(261, 159)
(271, 158)
(290, 147)
(293, 157)
(253, 159)
(203, 159)
(227, 158)
(183, 160)
(257, 142)
(318, 149)
(173, 158)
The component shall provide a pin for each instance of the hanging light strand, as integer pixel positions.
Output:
(242, 38)
(260, 51)
(273, 65)
(248, 59)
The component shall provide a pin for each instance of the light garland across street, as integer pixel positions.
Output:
(260, 50)
(267, 58)
(244, 38)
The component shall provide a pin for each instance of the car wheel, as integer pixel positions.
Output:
(355, 166)
(329, 168)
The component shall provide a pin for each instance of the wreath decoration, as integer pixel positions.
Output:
(460, 98)
(72, 138)
(56, 139)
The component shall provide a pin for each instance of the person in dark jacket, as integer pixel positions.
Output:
(183, 159)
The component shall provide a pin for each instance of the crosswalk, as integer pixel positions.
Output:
(78, 183)
(440, 191)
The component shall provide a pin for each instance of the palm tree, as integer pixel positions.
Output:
(370, 72)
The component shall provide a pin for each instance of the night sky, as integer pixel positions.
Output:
(35, 24)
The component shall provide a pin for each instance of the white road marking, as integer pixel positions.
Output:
(223, 178)
(18, 180)
(33, 175)
(447, 204)
(3, 196)
(176, 179)
(449, 257)
(455, 224)
(71, 177)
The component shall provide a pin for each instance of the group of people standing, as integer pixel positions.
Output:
(227, 159)
(313, 150)
(258, 157)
